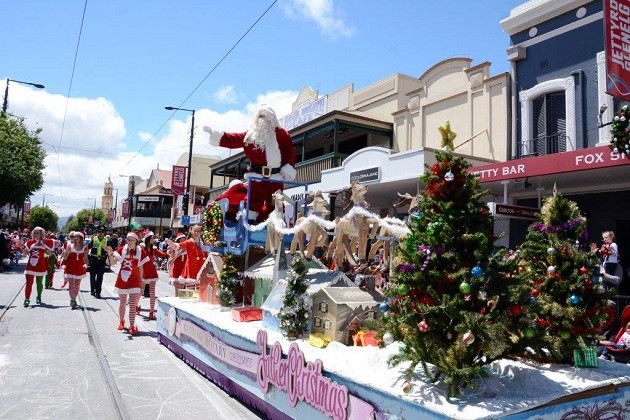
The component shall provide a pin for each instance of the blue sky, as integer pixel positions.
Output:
(136, 57)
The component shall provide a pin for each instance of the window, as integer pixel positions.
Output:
(327, 324)
(550, 123)
(323, 307)
(318, 321)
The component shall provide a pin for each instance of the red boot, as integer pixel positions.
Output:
(152, 316)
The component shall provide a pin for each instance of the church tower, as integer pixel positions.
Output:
(107, 202)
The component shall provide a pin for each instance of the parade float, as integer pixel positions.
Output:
(458, 331)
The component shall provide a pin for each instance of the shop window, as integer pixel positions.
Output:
(327, 324)
(318, 321)
(323, 307)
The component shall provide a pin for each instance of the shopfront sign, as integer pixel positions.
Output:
(305, 114)
(617, 32)
(517, 212)
(576, 160)
(146, 221)
(145, 198)
(366, 175)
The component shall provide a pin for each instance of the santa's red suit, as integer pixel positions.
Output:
(271, 156)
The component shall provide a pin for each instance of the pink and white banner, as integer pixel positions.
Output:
(178, 180)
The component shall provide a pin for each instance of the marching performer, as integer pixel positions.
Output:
(75, 259)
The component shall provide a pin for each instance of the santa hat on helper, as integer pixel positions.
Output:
(132, 235)
(146, 235)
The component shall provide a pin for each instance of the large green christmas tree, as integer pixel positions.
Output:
(294, 314)
(558, 289)
(448, 303)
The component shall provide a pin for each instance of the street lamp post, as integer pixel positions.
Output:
(190, 151)
(5, 103)
(130, 192)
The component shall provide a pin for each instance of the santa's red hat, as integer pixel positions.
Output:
(147, 234)
(179, 237)
(132, 235)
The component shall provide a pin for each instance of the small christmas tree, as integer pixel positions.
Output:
(295, 310)
(448, 304)
(558, 291)
(228, 282)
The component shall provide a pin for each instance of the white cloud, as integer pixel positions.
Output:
(94, 144)
(322, 12)
(225, 95)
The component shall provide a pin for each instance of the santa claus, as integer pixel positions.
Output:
(269, 149)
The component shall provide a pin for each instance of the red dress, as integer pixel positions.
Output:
(37, 264)
(196, 258)
(75, 262)
(128, 281)
(149, 272)
(177, 266)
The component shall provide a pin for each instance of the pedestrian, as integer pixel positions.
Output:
(196, 256)
(608, 251)
(150, 274)
(97, 261)
(75, 259)
(37, 265)
(176, 262)
(132, 258)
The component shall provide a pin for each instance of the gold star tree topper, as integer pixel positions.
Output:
(447, 136)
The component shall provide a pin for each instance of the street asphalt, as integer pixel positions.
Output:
(67, 364)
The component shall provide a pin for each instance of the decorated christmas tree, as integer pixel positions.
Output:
(620, 141)
(295, 310)
(447, 301)
(558, 290)
(228, 282)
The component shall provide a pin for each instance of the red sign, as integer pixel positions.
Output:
(111, 215)
(617, 32)
(125, 210)
(178, 180)
(518, 212)
(557, 163)
(27, 207)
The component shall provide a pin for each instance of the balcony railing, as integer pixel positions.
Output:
(308, 172)
(543, 145)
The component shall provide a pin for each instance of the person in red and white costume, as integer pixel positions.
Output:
(65, 246)
(195, 256)
(150, 274)
(74, 258)
(132, 258)
(37, 264)
(176, 262)
(269, 149)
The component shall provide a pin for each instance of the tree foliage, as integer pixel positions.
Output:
(21, 160)
(44, 217)
(294, 313)
(228, 282)
(81, 220)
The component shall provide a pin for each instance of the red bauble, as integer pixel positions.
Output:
(543, 322)
(516, 309)
(535, 292)
(583, 270)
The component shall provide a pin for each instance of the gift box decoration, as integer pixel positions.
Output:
(246, 314)
(585, 357)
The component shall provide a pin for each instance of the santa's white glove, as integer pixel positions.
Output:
(215, 136)
(288, 172)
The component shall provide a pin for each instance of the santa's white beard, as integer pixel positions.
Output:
(262, 135)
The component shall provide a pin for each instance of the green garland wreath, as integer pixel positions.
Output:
(212, 223)
(621, 132)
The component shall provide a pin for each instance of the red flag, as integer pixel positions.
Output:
(616, 16)
(178, 180)
(125, 210)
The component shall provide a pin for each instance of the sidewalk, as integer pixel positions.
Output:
(52, 367)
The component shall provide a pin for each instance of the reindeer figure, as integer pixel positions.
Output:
(384, 233)
(357, 226)
(316, 233)
(276, 220)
